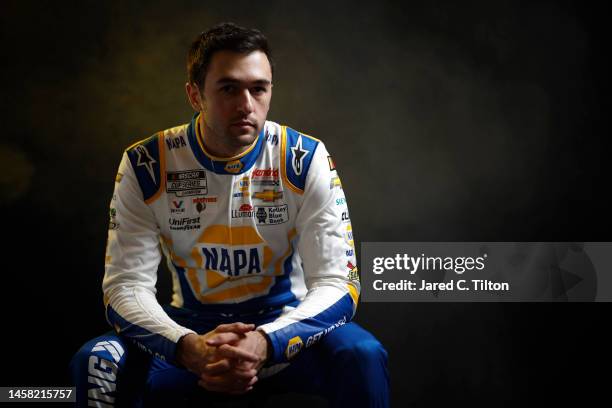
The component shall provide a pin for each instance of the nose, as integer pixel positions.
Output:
(245, 102)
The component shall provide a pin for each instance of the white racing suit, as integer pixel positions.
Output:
(263, 237)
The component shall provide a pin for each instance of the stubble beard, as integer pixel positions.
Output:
(226, 142)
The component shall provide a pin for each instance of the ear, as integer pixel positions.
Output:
(194, 96)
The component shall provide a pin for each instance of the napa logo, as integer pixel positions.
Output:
(293, 347)
(232, 264)
(233, 166)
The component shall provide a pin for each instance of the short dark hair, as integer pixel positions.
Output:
(224, 36)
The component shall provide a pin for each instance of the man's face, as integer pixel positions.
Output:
(236, 99)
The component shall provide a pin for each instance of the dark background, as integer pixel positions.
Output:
(448, 121)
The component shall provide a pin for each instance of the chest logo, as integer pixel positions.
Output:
(268, 195)
(145, 159)
(298, 153)
(233, 166)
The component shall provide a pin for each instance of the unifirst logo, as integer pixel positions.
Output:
(293, 347)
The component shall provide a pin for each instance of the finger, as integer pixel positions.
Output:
(237, 327)
(223, 338)
(228, 351)
(216, 368)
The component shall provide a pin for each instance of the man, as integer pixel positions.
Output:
(253, 221)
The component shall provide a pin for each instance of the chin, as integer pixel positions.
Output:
(244, 139)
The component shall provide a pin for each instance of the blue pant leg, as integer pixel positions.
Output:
(103, 374)
(348, 367)
(169, 385)
(359, 364)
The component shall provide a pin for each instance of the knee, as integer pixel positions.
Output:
(94, 369)
(100, 357)
(364, 351)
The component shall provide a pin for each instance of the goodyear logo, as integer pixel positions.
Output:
(293, 347)
(233, 166)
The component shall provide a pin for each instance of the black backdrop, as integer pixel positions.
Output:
(448, 121)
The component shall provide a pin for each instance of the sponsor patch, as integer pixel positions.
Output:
(245, 211)
(349, 236)
(298, 153)
(335, 182)
(184, 223)
(293, 347)
(272, 139)
(345, 216)
(233, 166)
(118, 178)
(243, 184)
(332, 165)
(272, 215)
(145, 159)
(265, 177)
(113, 224)
(264, 173)
(177, 207)
(200, 202)
(340, 201)
(175, 142)
(186, 183)
(268, 195)
(353, 272)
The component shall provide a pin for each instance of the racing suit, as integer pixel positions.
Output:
(264, 236)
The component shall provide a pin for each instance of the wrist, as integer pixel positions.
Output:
(268, 344)
(183, 347)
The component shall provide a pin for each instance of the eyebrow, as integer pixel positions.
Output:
(230, 80)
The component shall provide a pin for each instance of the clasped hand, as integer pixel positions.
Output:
(226, 359)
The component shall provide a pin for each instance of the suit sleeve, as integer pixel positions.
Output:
(326, 247)
(132, 257)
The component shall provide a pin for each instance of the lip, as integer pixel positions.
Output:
(242, 123)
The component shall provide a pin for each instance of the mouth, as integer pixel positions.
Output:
(243, 123)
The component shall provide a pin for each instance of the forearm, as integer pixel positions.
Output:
(324, 309)
(135, 313)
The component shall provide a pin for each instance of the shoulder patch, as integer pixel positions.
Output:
(148, 161)
(297, 151)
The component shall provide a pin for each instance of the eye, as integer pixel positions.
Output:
(228, 89)
(258, 90)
